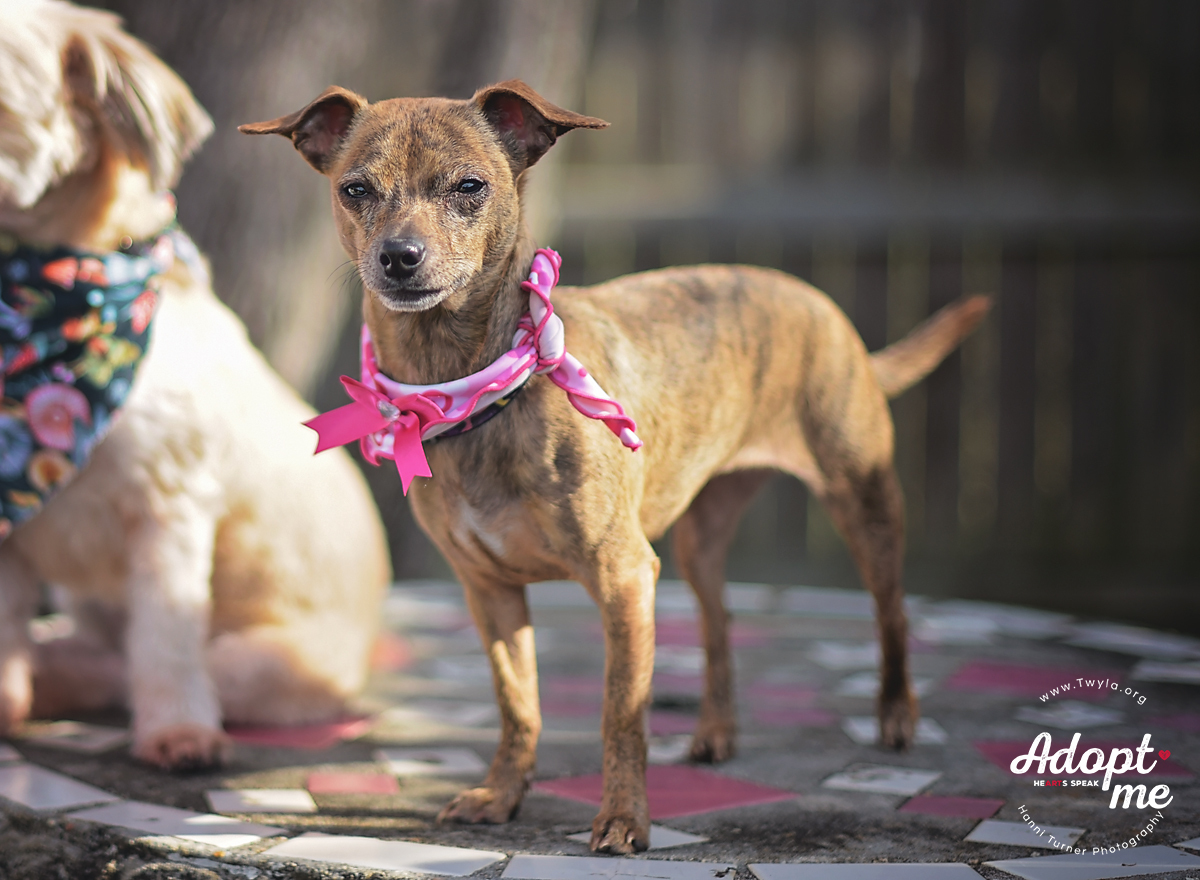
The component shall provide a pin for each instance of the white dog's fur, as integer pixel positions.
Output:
(242, 576)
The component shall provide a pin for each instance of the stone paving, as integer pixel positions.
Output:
(808, 797)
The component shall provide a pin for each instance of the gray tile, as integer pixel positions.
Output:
(881, 779)
(660, 837)
(261, 800)
(41, 789)
(386, 855)
(163, 821)
(524, 867)
(890, 871)
(1022, 834)
(1135, 862)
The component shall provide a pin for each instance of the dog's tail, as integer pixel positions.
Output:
(905, 363)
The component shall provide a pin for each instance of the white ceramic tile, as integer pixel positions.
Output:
(674, 596)
(881, 779)
(669, 749)
(679, 659)
(1135, 862)
(9, 754)
(453, 713)
(466, 669)
(1136, 640)
(386, 855)
(890, 871)
(660, 837)
(431, 762)
(1029, 623)
(955, 629)
(404, 609)
(864, 730)
(1156, 670)
(866, 684)
(261, 800)
(826, 602)
(846, 655)
(1071, 715)
(524, 867)
(558, 594)
(1021, 834)
(76, 736)
(755, 598)
(156, 819)
(42, 789)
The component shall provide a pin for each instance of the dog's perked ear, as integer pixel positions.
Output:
(316, 131)
(527, 124)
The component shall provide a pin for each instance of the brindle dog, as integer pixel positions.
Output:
(732, 373)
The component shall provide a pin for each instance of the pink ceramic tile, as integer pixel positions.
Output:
(1002, 752)
(391, 653)
(797, 717)
(664, 723)
(334, 782)
(966, 807)
(305, 736)
(1017, 680)
(675, 791)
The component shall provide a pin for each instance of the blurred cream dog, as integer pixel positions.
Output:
(243, 575)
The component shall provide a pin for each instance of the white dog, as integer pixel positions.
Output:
(242, 576)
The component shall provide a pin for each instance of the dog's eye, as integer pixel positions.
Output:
(470, 186)
(355, 190)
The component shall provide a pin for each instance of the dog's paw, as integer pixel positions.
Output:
(482, 806)
(898, 722)
(183, 747)
(16, 692)
(712, 743)
(619, 834)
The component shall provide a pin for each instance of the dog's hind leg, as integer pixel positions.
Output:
(868, 508)
(298, 672)
(702, 537)
(501, 614)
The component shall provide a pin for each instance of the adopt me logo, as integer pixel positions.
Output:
(1062, 768)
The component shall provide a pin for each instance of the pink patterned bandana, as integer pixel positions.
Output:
(391, 419)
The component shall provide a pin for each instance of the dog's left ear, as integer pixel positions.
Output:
(135, 99)
(528, 124)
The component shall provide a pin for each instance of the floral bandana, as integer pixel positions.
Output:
(392, 420)
(74, 327)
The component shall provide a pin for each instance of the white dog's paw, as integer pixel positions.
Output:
(183, 747)
(16, 692)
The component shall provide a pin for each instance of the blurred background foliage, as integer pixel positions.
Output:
(896, 153)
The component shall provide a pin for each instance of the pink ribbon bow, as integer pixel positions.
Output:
(391, 419)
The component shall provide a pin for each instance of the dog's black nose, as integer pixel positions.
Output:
(401, 257)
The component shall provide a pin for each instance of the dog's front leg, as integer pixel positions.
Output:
(625, 594)
(176, 715)
(502, 618)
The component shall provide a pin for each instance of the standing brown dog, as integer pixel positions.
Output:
(732, 372)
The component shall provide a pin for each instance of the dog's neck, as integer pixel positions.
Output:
(94, 209)
(461, 335)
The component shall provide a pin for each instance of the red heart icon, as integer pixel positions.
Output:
(1164, 754)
